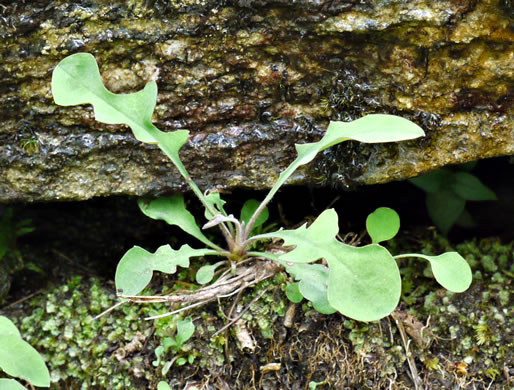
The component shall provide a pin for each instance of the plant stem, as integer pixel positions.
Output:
(281, 180)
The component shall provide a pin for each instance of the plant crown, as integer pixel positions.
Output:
(360, 282)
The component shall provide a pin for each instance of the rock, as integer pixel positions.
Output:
(249, 78)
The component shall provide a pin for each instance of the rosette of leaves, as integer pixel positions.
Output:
(360, 282)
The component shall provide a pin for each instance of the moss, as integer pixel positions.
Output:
(457, 337)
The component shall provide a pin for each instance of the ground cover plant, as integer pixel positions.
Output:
(362, 283)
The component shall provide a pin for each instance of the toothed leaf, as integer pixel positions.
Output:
(364, 283)
(214, 199)
(136, 267)
(76, 80)
(374, 128)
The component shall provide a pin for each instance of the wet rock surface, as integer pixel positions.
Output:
(249, 79)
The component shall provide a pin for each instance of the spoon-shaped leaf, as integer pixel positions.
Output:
(374, 128)
(205, 274)
(185, 329)
(293, 292)
(382, 224)
(450, 270)
(136, 267)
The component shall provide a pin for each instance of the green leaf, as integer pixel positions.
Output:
(469, 187)
(364, 283)
(374, 128)
(444, 208)
(450, 270)
(10, 384)
(7, 328)
(173, 211)
(136, 267)
(166, 367)
(316, 291)
(19, 359)
(293, 292)
(185, 329)
(181, 361)
(382, 224)
(434, 181)
(76, 80)
(215, 200)
(205, 274)
(163, 386)
(313, 285)
(249, 208)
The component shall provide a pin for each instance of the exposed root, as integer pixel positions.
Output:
(227, 285)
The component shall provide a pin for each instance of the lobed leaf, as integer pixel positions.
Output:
(383, 224)
(174, 212)
(76, 80)
(374, 128)
(136, 267)
(363, 283)
(214, 199)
